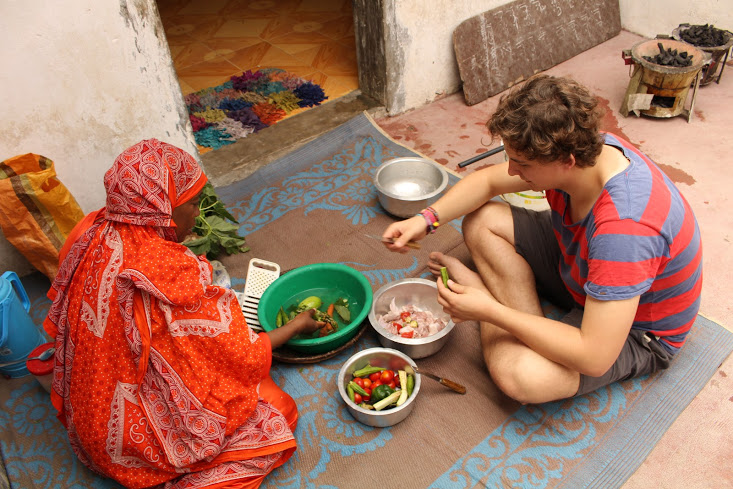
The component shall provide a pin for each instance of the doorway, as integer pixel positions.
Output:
(212, 40)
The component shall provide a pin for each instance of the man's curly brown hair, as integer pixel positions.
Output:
(549, 118)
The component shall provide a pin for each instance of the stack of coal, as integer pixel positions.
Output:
(670, 57)
(704, 35)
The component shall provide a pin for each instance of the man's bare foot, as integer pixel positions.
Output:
(458, 272)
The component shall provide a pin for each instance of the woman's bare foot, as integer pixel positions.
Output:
(458, 272)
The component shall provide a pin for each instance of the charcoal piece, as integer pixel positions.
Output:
(703, 35)
(670, 57)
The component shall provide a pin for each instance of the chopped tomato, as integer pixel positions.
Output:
(408, 334)
(405, 316)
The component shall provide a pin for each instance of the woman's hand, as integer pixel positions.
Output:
(303, 323)
(411, 229)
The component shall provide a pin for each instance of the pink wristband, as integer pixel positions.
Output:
(431, 219)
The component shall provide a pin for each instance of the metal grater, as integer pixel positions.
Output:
(260, 275)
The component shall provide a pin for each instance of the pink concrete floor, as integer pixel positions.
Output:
(697, 450)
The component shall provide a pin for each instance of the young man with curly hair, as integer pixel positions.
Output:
(619, 248)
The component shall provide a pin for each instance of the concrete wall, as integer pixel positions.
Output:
(653, 17)
(81, 81)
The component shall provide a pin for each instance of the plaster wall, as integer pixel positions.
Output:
(83, 80)
(653, 17)
(420, 33)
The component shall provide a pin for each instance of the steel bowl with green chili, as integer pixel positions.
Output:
(330, 282)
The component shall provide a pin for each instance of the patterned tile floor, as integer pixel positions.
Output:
(211, 40)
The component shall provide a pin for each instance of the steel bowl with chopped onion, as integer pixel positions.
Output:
(417, 292)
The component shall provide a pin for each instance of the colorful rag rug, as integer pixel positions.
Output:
(247, 103)
(315, 205)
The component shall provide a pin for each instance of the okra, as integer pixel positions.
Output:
(350, 391)
(357, 388)
(282, 318)
(444, 275)
(368, 370)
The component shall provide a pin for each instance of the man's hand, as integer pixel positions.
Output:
(463, 303)
(411, 229)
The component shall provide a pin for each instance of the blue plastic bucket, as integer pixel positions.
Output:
(18, 334)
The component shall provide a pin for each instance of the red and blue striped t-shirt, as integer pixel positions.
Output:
(641, 238)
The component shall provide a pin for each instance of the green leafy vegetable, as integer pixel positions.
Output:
(216, 228)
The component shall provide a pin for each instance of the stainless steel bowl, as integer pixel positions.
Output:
(405, 186)
(388, 358)
(418, 292)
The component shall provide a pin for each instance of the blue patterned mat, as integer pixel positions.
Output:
(315, 206)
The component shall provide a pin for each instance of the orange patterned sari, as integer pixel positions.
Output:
(158, 379)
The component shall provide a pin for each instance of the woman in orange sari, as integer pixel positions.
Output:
(158, 379)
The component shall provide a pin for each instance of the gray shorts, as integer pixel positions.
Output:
(535, 241)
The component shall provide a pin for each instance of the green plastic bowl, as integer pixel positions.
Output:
(329, 281)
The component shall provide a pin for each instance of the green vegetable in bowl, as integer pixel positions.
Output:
(368, 370)
(312, 302)
(380, 392)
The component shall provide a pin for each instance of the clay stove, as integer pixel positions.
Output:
(661, 91)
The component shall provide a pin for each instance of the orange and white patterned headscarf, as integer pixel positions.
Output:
(148, 180)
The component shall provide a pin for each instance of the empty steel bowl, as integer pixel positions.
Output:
(405, 186)
(421, 293)
(377, 357)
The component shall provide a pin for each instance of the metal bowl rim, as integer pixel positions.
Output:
(398, 339)
(394, 161)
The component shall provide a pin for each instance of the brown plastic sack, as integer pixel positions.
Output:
(37, 212)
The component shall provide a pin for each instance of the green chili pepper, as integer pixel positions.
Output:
(410, 384)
